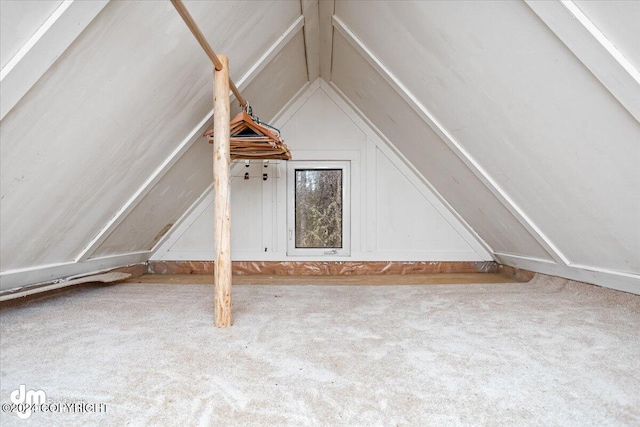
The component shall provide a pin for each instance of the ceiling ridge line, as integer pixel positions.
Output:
(326, 9)
(310, 9)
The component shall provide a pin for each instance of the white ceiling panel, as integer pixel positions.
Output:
(526, 110)
(619, 21)
(109, 111)
(162, 207)
(545, 153)
(371, 94)
(278, 82)
(19, 20)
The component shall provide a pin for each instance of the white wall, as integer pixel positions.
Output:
(525, 142)
(192, 173)
(394, 215)
(86, 152)
(509, 114)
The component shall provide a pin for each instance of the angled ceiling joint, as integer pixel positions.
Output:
(43, 48)
(310, 10)
(325, 14)
(271, 53)
(186, 143)
(593, 49)
(451, 142)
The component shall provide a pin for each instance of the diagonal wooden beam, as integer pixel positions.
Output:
(193, 27)
(182, 148)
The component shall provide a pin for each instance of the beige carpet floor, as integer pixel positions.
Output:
(547, 352)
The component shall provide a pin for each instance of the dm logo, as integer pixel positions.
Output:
(26, 400)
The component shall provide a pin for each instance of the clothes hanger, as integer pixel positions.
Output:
(252, 139)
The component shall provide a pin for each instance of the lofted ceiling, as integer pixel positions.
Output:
(523, 116)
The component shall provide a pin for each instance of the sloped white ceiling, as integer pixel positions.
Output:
(192, 173)
(418, 142)
(108, 112)
(527, 112)
(19, 20)
(488, 104)
(618, 20)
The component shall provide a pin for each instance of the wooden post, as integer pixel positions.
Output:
(221, 189)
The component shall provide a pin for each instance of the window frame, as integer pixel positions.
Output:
(345, 166)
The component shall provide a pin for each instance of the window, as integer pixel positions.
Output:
(318, 214)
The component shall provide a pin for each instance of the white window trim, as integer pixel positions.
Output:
(345, 166)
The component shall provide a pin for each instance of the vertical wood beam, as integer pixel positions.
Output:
(186, 143)
(310, 11)
(325, 13)
(221, 189)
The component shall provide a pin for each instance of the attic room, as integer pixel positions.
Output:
(320, 212)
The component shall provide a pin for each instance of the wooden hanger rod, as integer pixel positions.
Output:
(188, 19)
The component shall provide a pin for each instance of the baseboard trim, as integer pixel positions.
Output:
(320, 268)
(608, 279)
(44, 274)
(106, 276)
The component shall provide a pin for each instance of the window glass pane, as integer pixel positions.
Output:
(318, 208)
